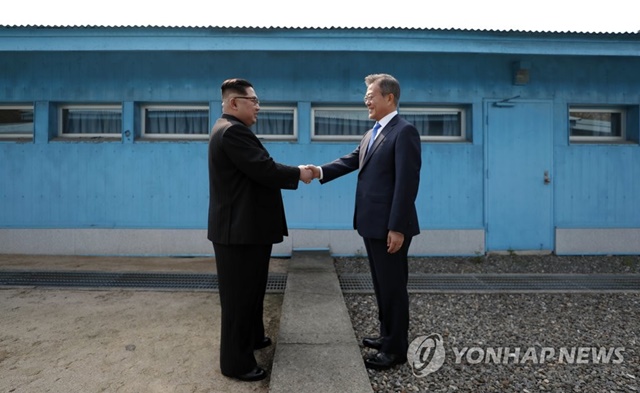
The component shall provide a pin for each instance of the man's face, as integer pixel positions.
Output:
(246, 107)
(378, 105)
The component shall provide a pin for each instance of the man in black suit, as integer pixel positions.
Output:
(246, 217)
(389, 161)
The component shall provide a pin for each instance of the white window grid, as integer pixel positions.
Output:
(459, 112)
(280, 109)
(170, 107)
(113, 108)
(595, 124)
(347, 112)
(351, 113)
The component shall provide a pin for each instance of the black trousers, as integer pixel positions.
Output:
(390, 275)
(242, 281)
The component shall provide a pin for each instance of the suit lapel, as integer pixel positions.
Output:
(379, 141)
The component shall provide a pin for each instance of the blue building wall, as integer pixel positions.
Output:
(134, 184)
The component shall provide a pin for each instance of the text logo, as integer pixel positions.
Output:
(517, 355)
(426, 354)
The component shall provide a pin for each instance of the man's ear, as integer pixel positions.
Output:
(390, 98)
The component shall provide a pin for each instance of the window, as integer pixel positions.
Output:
(171, 121)
(437, 124)
(16, 122)
(433, 123)
(90, 121)
(597, 124)
(340, 123)
(276, 123)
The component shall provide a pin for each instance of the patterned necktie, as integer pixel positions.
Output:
(376, 127)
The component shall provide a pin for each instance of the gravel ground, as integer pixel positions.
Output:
(550, 330)
(492, 264)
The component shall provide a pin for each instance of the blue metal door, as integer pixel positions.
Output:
(519, 176)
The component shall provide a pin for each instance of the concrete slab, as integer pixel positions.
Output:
(317, 350)
(316, 318)
(327, 368)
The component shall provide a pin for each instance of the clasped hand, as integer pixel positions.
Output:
(395, 240)
(308, 173)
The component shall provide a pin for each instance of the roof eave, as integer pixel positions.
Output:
(158, 38)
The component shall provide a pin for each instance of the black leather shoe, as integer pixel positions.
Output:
(256, 374)
(372, 342)
(266, 341)
(384, 361)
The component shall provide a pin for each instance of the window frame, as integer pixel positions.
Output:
(287, 137)
(88, 107)
(152, 136)
(434, 109)
(599, 109)
(21, 136)
(338, 108)
(411, 109)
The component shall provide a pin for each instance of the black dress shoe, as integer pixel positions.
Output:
(266, 341)
(256, 374)
(384, 361)
(372, 342)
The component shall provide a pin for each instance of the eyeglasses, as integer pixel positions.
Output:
(370, 97)
(255, 100)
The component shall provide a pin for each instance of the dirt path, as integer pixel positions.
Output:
(85, 341)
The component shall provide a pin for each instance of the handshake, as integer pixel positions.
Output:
(308, 173)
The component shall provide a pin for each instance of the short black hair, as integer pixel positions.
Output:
(236, 85)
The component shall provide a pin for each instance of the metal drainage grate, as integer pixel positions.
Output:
(276, 282)
(420, 283)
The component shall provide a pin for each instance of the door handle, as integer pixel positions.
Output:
(547, 179)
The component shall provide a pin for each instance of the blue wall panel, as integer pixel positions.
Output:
(104, 185)
(451, 188)
(597, 186)
(54, 184)
(315, 206)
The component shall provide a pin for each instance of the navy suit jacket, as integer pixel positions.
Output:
(245, 201)
(388, 180)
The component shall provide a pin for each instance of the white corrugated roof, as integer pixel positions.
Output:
(576, 16)
(320, 28)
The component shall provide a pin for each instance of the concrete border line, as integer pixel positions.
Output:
(316, 348)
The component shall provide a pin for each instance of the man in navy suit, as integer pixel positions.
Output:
(246, 217)
(389, 160)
